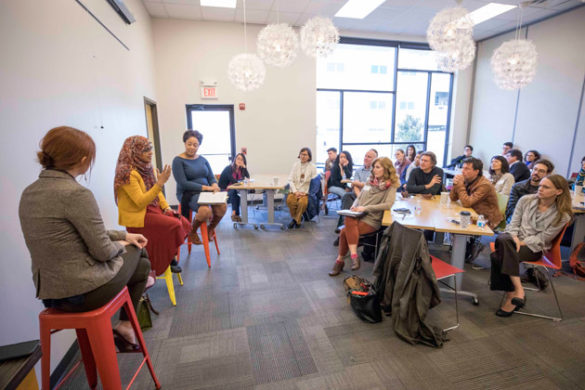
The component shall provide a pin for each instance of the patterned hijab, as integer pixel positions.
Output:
(129, 159)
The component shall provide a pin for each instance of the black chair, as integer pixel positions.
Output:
(370, 243)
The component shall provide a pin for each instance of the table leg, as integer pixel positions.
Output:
(270, 204)
(458, 260)
(243, 205)
(578, 230)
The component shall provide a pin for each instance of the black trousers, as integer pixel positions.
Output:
(234, 200)
(506, 262)
(346, 201)
(134, 274)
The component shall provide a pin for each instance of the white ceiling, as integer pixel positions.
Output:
(396, 17)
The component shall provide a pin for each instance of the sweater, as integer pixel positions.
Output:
(518, 191)
(418, 179)
(375, 201)
(504, 184)
(536, 229)
(133, 200)
(481, 196)
(298, 183)
(226, 178)
(192, 175)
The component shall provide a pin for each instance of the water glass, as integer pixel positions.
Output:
(465, 219)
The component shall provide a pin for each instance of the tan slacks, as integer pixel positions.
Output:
(297, 206)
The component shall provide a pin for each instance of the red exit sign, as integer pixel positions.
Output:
(208, 92)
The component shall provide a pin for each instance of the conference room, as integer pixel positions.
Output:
(254, 306)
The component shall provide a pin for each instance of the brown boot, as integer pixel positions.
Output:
(193, 236)
(211, 227)
(337, 268)
(355, 264)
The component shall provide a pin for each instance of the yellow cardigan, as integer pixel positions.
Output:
(133, 199)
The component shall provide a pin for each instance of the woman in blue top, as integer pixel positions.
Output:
(193, 175)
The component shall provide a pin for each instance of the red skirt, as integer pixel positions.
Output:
(164, 235)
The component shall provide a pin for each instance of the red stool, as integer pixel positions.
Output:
(205, 237)
(96, 341)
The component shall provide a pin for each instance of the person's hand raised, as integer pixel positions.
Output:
(163, 177)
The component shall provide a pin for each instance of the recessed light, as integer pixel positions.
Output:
(219, 3)
(489, 11)
(358, 9)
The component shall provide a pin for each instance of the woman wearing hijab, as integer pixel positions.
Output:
(142, 207)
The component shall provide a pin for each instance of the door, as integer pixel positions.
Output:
(152, 130)
(216, 123)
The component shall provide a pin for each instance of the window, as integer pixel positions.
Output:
(388, 97)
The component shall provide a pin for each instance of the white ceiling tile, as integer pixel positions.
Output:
(323, 8)
(188, 2)
(156, 10)
(256, 4)
(183, 11)
(296, 6)
(218, 14)
(257, 16)
(285, 17)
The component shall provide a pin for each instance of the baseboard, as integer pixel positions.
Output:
(65, 364)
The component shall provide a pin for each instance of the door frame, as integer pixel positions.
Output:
(155, 130)
(215, 107)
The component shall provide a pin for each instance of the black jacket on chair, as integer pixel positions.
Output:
(406, 285)
(520, 171)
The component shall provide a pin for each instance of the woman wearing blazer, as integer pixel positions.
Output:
(142, 207)
(77, 264)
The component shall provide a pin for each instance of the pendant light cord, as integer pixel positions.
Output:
(245, 30)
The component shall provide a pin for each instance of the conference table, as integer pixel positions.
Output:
(439, 218)
(264, 183)
(579, 219)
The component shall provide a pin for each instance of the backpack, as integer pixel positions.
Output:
(577, 260)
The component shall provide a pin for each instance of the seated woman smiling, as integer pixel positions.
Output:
(377, 195)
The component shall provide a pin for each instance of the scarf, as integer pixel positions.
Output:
(495, 177)
(382, 185)
(236, 173)
(129, 159)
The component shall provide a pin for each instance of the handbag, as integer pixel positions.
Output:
(143, 313)
(363, 299)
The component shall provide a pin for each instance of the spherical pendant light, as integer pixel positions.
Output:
(319, 37)
(514, 64)
(277, 44)
(448, 28)
(459, 58)
(246, 71)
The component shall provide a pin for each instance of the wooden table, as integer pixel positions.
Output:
(435, 217)
(579, 216)
(19, 371)
(263, 183)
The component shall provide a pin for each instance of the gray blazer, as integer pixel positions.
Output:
(71, 251)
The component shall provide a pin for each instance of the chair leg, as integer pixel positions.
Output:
(454, 291)
(205, 243)
(168, 277)
(216, 244)
(46, 358)
(102, 344)
(180, 278)
(560, 317)
(87, 357)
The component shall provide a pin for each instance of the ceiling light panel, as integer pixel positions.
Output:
(358, 9)
(219, 3)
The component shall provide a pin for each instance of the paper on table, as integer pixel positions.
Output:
(208, 197)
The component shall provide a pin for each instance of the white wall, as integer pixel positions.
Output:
(546, 110)
(60, 67)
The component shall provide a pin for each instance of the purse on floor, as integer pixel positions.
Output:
(363, 299)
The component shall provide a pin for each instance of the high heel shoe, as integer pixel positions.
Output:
(123, 345)
(519, 302)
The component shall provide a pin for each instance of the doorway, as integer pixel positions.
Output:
(152, 130)
(216, 123)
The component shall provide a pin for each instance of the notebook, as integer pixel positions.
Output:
(212, 197)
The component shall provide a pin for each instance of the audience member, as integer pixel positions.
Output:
(500, 175)
(537, 220)
(193, 175)
(360, 177)
(530, 157)
(517, 168)
(401, 164)
(299, 181)
(473, 190)
(427, 178)
(506, 147)
(376, 196)
(457, 162)
(410, 153)
(415, 164)
(232, 174)
(332, 156)
(341, 170)
(142, 207)
(77, 264)
(581, 175)
(541, 169)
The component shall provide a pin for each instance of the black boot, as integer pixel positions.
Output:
(175, 267)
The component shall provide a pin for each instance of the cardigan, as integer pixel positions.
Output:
(294, 178)
(71, 250)
(336, 176)
(481, 196)
(536, 229)
(504, 184)
(226, 178)
(375, 201)
(133, 200)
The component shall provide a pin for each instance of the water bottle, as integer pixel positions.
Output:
(417, 207)
(481, 222)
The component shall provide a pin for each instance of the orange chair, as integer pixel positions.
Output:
(326, 193)
(550, 259)
(96, 341)
(205, 237)
(445, 270)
